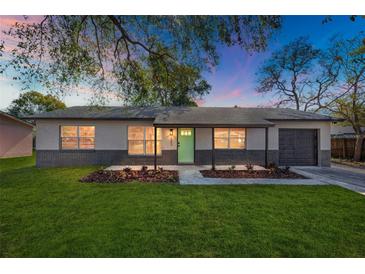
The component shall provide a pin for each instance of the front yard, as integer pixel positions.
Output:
(49, 213)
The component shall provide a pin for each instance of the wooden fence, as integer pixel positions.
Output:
(344, 148)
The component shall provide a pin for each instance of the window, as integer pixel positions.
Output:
(185, 132)
(77, 137)
(141, 140)
(229, 138)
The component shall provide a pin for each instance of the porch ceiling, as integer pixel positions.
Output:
(200, 125)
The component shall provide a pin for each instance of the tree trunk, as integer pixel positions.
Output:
(358, 147)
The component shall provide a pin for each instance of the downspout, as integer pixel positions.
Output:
(266, 145)
(213, 150)
(155, 158)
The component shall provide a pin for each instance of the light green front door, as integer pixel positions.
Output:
(185, 150)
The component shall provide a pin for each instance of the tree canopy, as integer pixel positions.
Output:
(348, 99)
(136, 57)
(331, 80)
(299, 74)
(33, 102)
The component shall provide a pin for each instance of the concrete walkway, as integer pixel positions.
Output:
(346, 178)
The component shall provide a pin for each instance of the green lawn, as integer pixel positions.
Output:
(48, 213)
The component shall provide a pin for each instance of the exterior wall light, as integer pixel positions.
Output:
(171, 135)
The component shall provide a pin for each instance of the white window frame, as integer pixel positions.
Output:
(77, 137)
(229, 138)
(144, 142)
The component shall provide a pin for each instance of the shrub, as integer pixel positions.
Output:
(249, 167)
(144, 168)
(232, 167)
(127, 169)
(272, 165)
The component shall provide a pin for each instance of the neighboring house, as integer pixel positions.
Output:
(343, 141)
(343, 131)
(16, 137)
(184, 135)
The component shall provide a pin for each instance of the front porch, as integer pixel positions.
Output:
(211, 146)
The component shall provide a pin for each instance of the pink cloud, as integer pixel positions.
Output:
(236, 93)
(200, 102)
(6, 22)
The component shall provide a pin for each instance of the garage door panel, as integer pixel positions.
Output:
(297, 147)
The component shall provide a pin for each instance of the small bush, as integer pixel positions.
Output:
(144, 168)
(232, 167)
(272, 165)
(249, 167)
(127, 169)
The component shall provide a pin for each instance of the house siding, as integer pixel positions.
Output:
(16, 138)
(111, 145)
(235, 157)
(57, 158)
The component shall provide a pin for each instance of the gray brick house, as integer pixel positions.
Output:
(182, 135)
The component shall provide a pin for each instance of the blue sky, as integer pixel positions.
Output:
(233, 81)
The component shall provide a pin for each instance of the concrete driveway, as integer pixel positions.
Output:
(349, 178)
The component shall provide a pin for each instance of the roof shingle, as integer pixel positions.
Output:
(186, 115)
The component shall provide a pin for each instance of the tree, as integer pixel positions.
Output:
(33, 102)
(1, 48)
(331, 80)
(114, 53)
(299, 74)
(348, 99)
(180, 87)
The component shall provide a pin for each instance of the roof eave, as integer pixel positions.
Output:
(309, 120)
(17, 119)
(89, 118)
(169, 125)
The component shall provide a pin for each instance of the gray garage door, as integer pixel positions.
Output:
(297, 147)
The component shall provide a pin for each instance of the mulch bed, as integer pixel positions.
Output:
(146, 176)
(263, 174)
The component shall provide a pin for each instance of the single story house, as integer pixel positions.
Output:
(16, 137)
(85, 135)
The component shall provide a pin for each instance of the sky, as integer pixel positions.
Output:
(233, 81)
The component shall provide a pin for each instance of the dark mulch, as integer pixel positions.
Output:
(147, 176)
(268, 174)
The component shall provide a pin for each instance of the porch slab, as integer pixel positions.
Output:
(184, 167)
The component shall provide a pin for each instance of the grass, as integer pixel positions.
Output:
(48, 213)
